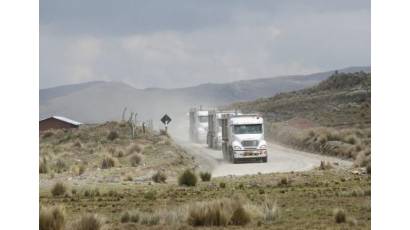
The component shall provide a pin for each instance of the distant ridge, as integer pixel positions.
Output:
(101, 101)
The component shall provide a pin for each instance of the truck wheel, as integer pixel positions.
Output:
(264, 159)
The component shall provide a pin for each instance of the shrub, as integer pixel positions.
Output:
(340, 215)
(240, 216)
(88, 222)
(159, 177)
(187, 178)
(283, 181)
(58, 189)
(112, 135)
(107, 162)
(369, 168)
(52, 218)
(222, 185)
(205, 176)
(135, 160)
(43, 167)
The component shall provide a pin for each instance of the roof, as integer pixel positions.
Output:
(246, 119)
(67, 120)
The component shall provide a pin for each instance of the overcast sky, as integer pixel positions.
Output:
(182, 43)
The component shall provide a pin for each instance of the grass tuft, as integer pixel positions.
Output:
(159, 177)
(58, 189)
(135, 160)
(107, 162)
(240, 216)
(88, 222)
(339, 215)
(187, 178)
(112, 135)
(205, 176)
(52, 218)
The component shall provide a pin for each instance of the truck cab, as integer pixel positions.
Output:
(243, 138)
(198, 125)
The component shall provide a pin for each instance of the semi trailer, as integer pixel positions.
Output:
(243, 137)
(214, 137)
(198, 125)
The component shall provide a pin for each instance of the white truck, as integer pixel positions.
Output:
(198, 125)
(214, 137)
(243, 138)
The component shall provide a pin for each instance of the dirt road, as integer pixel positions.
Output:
(280, 159)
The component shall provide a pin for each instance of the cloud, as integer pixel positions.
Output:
(214, 42)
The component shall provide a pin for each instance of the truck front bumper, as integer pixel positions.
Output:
(250, 153)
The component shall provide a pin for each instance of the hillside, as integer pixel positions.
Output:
(330, 118)
(341, 100)
(103, 101)
(106, 153)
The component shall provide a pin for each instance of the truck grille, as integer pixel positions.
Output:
(252, 143)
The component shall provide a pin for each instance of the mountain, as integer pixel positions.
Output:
(101, 101)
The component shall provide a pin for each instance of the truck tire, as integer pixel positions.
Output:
(264, 159)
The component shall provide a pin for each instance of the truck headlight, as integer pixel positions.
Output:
(262, 147)
(237, 147)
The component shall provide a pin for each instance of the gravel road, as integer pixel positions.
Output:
(280, 159)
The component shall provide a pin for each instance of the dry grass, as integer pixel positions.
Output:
(205, 176)
(52, 218)
(134, 148)
(339, 215)
(135, 160)
(213, 213)
(270, 211)
(283, 181)
(240, 216)
(159, 177)
(325, 165)
(220, 212)
(188, 178)
(88, 222)
(107, 162)
(112, 135)
(150, 219)
(58, 189)
(43, 166)
(133, 216)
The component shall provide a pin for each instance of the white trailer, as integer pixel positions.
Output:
(214, 137)
(198, 125)
(243, 138)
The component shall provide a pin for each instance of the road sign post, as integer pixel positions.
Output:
(166, 120)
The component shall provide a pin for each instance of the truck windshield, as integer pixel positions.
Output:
(247, 129)
(203, 119)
